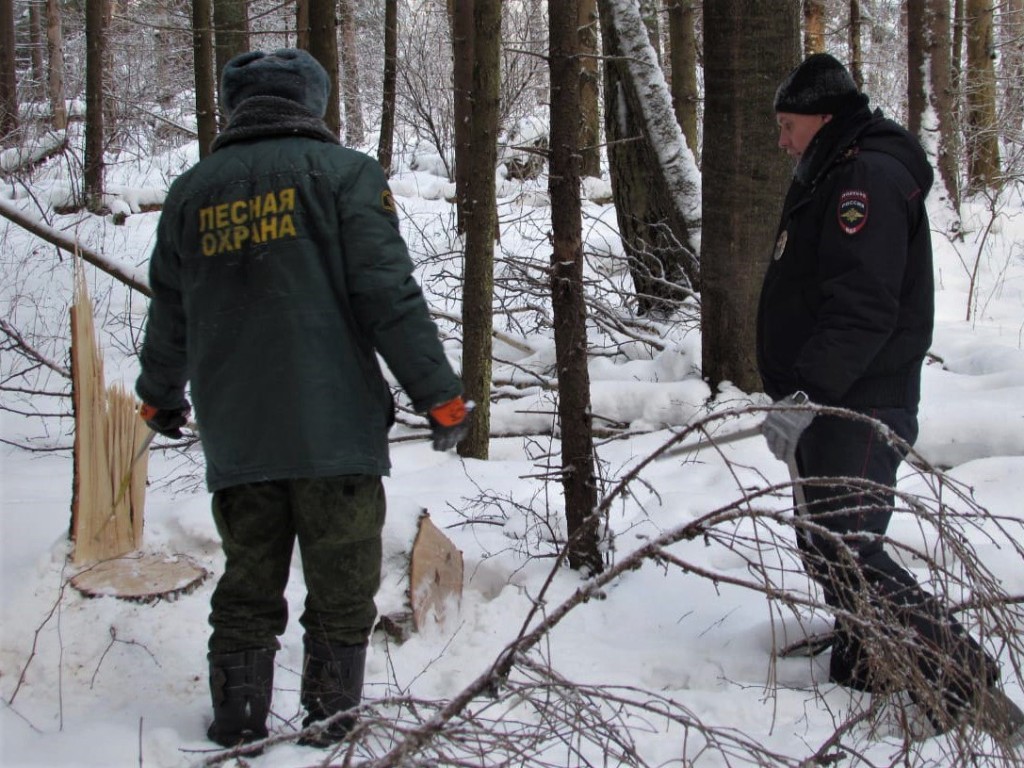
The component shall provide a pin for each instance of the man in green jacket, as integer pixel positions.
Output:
(278, 275)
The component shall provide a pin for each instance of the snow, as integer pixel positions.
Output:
(104, 682)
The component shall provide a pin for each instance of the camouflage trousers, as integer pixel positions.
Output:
(337, 522)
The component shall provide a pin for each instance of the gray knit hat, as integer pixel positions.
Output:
(289, 73)
(820, 85)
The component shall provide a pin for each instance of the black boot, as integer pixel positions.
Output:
(332, 682)
(849, 665)
(241, 685)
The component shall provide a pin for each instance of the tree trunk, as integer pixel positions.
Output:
(750, 46)
(231, 34)
(323, 46)
(8, 75)
(590, 115)
(652, 192)
(36, 47)
(202, 64)
(302, 24)
(355, 132)
(481, 212)
(567, 296)
(856, 52)
(814, 26)
(957, 47)
(683, 58)
(55, 72)
(933, 59)
(649, 11)
(981, 129)
(387, 112)
(95, 79)
(917, 98)
(1012, 24)
(461, 14)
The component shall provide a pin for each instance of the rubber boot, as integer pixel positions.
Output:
(241, 685)
(332, 682)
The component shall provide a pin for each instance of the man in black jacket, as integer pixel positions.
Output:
(845, 320)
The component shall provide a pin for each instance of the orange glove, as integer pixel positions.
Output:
(449, 422)
(166, 421)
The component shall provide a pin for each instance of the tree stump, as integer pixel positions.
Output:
(140, 577)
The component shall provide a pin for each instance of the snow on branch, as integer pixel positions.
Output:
(680, 167)
(19, 158)
(128, 275)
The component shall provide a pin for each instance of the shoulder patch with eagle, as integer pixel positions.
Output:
(853, 211)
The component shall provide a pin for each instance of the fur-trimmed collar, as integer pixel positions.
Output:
(834, 138)
(262, 117)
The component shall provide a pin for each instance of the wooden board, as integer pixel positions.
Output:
(141, 577)
(435, 575)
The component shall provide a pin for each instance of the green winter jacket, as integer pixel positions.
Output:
(278, 273)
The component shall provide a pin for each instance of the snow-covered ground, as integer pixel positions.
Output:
(104, 682)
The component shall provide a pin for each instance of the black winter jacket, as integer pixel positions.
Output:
(847, 303)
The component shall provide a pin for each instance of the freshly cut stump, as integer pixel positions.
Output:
(143, 578)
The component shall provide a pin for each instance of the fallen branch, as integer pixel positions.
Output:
(121, 272)
(32, 354)
(21, 159)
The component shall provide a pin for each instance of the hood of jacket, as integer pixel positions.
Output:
(863, 130)
(265, 117)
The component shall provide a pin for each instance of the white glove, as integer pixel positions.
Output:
(782, 427)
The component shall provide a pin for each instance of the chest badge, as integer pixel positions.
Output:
(853, 211)
(780, 245)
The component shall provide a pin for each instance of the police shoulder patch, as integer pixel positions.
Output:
(387, 201)
(853, 211)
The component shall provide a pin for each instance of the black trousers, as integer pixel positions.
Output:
(859, 577)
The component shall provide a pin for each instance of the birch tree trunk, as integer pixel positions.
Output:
(653, 175)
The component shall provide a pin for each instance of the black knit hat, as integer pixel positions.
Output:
(289, 73)
(820, 85)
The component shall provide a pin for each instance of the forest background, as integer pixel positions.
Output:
(590, 191)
